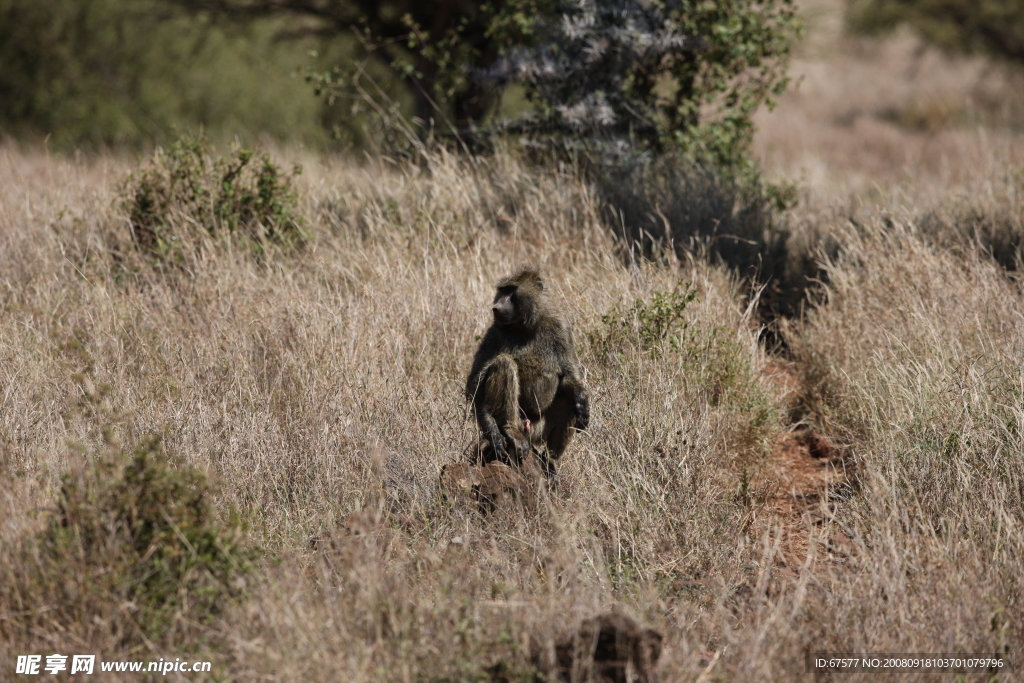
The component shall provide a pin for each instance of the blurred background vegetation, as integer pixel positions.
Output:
(126, 74)
(991, 27)
(129, 73)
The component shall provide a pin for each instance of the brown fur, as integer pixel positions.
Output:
(525, 384)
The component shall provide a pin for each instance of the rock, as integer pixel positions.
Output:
(610, 648)
(459, 479)
(490, 486)
(500, 485)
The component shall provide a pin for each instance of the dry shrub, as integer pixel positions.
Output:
(988, 217)
(727, 216)
(132, 557)
(673, 200)
(187, 194)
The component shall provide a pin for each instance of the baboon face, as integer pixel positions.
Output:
(505, 304)
(515, 304)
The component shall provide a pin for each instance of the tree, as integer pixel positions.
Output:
(994, 27)
(658, 75)
(431, 45)
(663, 74)
(66, 62)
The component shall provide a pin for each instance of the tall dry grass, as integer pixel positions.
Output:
(321, 391)
(916, 361)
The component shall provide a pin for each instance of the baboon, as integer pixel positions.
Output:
(525, 384)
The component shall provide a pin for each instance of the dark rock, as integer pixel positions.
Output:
(610, 648)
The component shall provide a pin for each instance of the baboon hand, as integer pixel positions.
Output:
(582, 409)
(497, 444)
(522, 449)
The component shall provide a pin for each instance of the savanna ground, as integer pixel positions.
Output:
(859, 490)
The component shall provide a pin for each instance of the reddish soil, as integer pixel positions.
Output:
(795, 491)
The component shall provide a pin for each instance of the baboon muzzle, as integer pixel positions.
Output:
(502, 312)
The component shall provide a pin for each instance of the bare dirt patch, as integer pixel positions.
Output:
(800, 487)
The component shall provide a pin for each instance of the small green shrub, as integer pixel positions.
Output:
(644, 325)
(133, 550)
(244, 195)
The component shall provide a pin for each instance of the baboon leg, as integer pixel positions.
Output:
(559, 420)
(501, 390)
(501, 421)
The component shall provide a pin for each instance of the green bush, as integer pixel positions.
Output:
(644, 325)
(245, 195)
(617, 75)
(653, 75)
(133, 549)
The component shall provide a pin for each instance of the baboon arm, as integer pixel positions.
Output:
(573, 395)
(563, 417)
(485, 419)
(571, 387)
(482, 362)
(581, 405)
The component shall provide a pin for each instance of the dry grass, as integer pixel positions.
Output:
(321, 391)
(871, 120)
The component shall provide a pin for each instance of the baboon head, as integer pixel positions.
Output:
(519, 298)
